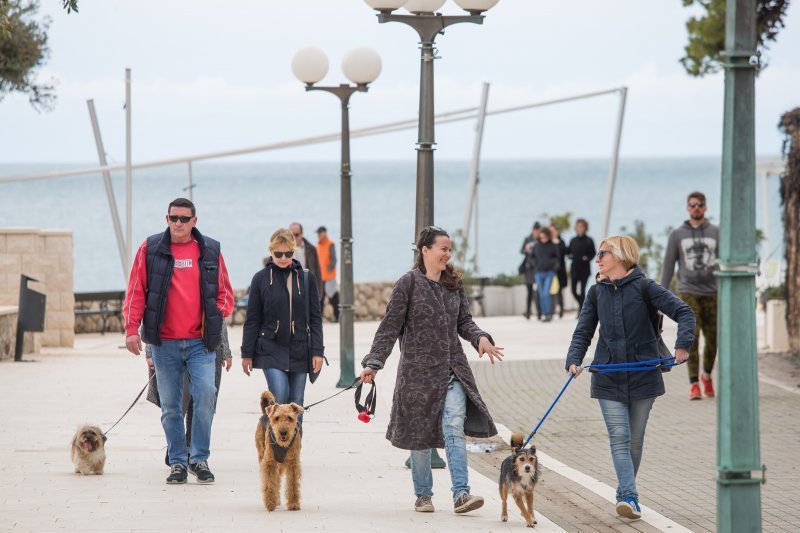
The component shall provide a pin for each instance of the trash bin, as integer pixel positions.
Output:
(31, 313)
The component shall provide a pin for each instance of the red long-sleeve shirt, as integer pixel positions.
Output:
(183, 316)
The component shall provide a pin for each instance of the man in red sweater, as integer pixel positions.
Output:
(179, 294)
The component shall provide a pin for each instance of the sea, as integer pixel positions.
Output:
(242, 203)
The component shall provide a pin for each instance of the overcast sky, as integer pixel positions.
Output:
(211, 75)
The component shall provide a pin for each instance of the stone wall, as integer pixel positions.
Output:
(45, 255)
(8, 331)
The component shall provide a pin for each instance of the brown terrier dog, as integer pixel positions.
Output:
(518, 476)
(87, 450)
(278, 443)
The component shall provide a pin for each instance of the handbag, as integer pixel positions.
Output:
(555, 287)
(312, 376)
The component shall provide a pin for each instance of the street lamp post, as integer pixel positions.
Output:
(361, 66)
(428, 24)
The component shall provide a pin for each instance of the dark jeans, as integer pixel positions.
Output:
(334, 303)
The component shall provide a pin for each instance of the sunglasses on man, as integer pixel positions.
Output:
(183, 219)
(696, 204)
(281, 255)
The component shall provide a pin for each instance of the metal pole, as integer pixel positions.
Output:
(738, 453)
(612, 172)
(425, 140)
(112, 201)
(346, 335)
(765, 212)
(128, 173)
(473, 175)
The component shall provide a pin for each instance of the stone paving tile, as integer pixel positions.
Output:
(677, 474)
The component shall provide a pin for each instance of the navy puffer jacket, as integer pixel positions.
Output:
(627, 335)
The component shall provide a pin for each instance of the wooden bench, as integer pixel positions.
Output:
(110, 305)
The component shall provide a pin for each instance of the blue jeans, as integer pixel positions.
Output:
(455, 447)
(287, 387)
(626, 423)
(172, 359)
(543, 282)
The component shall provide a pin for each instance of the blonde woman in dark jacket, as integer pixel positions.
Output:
(436, 400)
(626, 336)
(274, 337)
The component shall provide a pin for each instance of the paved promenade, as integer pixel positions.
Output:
(353, 479)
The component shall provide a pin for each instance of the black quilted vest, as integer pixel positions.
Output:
(159, 266)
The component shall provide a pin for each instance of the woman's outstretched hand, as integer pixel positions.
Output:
(486, 347)
(367, 375)
(575, 370)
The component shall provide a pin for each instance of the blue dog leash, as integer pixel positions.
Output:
(607, 368)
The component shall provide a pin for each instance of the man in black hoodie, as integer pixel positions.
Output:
(694, 245)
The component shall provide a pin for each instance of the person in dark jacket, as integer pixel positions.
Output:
(561, 274)
(546, 257)
(436, 400)
(306, 253)
(528, 270)
(626, 335)
(582, 250)
(274, 335)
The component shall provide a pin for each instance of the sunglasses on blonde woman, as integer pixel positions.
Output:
(280, 255)
(602, 253)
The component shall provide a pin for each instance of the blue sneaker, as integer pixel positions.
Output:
(629, 508)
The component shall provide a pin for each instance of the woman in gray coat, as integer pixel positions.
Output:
(621, 302)
(436, 400)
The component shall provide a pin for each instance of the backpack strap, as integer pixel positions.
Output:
(593, 295)
(308, 310)
(655, 315)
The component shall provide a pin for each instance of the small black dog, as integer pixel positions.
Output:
(518, 476)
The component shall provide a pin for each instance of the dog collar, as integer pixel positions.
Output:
(279, 451)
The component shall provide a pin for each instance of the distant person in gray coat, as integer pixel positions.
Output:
(436, 400)
(694, 245)
(627, 335)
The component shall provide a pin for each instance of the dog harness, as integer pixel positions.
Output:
(277, 450)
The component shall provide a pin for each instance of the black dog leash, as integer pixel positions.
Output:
(357, 380)
(131, 406)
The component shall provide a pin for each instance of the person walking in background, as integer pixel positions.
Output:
(627, 335)
(561, 274)
(581, 249)
(306, 254)
(528, 270)
(179, 293)
(275, 335)
(436, 400)
(326, 251)
(546, 257)
(694, 246)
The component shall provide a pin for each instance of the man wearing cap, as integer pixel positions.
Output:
(326, 253)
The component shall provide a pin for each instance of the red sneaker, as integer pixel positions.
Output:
(708, 387)
(694, 393)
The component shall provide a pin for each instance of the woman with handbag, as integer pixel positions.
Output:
(282, 332)
(546, 258)
(436, 400)
(620, 302)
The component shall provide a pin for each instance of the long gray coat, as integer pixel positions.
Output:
(430, 348)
